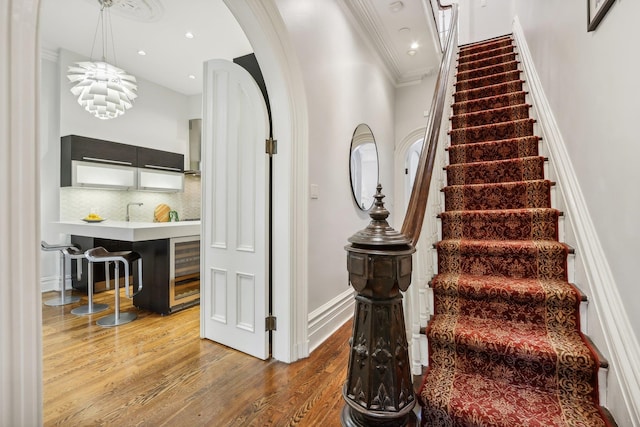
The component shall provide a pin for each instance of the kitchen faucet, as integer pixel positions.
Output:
(129, 204)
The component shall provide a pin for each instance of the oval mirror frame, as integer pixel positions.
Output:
(363, 166)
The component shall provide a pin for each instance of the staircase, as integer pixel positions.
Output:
(505, 346)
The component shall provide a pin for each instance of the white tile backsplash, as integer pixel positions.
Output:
(76, 203)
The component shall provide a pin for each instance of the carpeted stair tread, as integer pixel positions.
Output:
(495, 171)
(544, 259)
(489, 80)
(497, 59)
(494, 150)
(504, 298)
(507, 195)
(490, 102)
(492, 132)
(457, 399)
(490, 116)
(488, 70)
(532, 354)
(471, 57)
(513, 224)
(487, 91)
(484, 44)
(486, 48)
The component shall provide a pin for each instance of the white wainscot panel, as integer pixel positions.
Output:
(218, 302)
(245, 300)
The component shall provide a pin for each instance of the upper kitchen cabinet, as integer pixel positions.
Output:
(93, 163)
(95, 150)
(162, 160)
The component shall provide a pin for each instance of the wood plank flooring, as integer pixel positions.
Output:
(156, 371)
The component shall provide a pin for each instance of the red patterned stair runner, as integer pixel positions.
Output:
(505, 348)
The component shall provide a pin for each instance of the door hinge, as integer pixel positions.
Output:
(270, 324)
(271, 146)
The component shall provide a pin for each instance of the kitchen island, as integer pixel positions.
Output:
(170, 254)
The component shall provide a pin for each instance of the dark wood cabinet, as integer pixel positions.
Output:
(81, 148)
(84, 243)
(157, 159)
(159, 293)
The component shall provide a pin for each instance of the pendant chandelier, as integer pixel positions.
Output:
(104, 90)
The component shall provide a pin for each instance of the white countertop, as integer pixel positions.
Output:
(129, 231)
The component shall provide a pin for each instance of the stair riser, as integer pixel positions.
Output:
(496, 132)
(501, 101)
(499, 150)
(507, 226)
(530, 194)
(528, 169)
(488, 91)
(466, 66)
(487, 71)
(499, 51)
(485, 45)
(493, 79)
(499, 115)
(515, 265)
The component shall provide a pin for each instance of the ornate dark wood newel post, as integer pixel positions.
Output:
(378, 390)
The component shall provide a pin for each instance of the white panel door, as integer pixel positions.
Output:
(233, 299)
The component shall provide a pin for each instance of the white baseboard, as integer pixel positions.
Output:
(325, 320)
(621, 344)
(50, 283)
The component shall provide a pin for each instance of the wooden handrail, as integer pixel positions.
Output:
(414, 217)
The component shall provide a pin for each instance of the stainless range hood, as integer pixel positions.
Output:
(195, 144)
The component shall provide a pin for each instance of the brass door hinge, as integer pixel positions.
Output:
(271, 146)
(270, 324)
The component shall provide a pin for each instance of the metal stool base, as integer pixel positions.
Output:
(111, 320)
(62, 300)
(84, 310)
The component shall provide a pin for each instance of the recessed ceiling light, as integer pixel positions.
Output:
(192, 77)
(189, 35)
(412, 52)
(404, 30)
(396, 6)
(415, 45)
(142, 52)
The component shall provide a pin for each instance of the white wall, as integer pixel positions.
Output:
(158, 119)
(591, 82)
(49, 167)
(484, 19)
(345, 86)
(412, 102)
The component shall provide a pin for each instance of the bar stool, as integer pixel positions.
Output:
(100, 254)
(65, 251)
(90, 307)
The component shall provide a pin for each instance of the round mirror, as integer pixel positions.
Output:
(363, 166)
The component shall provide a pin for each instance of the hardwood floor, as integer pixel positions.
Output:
(156, 371)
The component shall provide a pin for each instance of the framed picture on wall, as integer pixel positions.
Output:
(596, 9)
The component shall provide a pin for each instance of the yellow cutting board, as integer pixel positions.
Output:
(161, 213)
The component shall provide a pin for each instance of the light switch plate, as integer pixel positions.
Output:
(314, 191)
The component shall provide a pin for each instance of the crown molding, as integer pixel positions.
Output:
(49, 54)
(367, 21)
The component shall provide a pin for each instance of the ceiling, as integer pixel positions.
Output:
(159, 26)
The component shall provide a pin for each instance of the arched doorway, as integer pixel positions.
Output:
(20, 328)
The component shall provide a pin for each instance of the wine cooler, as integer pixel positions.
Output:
(184, 272)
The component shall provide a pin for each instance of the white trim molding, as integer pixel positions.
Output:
(261, 22)
(326, 319)
(20, 305)
(612, 331)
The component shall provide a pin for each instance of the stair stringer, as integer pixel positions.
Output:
(608, 325)
(425, 260)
